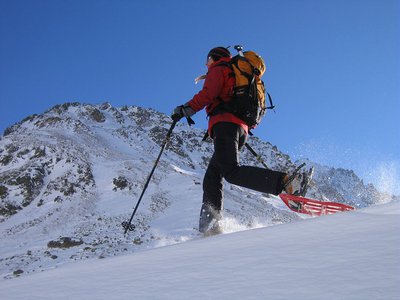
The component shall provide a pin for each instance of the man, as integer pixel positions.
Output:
(229, 134)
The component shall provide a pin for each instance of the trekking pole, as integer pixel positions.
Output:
(291, 178)
(258, 157)
(239, 49)
(128, 225)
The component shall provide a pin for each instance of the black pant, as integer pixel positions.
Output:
(228, 140)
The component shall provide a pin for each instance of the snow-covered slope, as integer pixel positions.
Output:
(353, 255)
(70, 176)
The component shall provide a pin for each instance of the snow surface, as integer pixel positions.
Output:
(353, 255)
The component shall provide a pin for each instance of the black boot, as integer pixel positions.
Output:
(209, 220)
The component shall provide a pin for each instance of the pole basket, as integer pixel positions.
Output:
(128, 226)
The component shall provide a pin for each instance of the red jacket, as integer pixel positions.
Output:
(218, 86)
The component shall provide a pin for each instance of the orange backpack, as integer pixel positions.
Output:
(248, 101)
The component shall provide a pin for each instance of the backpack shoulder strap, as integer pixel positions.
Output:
(226, 64)
(223, 63)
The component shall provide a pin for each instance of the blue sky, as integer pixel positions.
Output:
(333, 67)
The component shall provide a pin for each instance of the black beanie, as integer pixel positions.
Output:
(218, 52)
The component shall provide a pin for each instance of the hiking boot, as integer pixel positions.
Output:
(209, 219)
(296, 184)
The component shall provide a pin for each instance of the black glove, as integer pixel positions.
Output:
(182, 111)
